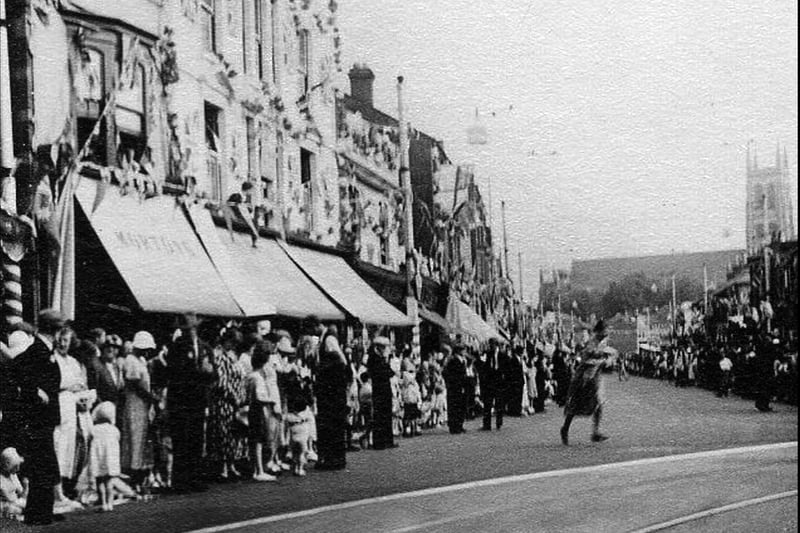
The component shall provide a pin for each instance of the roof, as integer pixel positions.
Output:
(378, 117)
(597, 274)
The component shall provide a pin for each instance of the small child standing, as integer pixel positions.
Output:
(13, 494)
(365, 410)
(104, 463)
(297, 419)
(411, 404)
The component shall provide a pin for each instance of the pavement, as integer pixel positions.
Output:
(644, 418)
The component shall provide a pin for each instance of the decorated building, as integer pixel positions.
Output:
(164, 147)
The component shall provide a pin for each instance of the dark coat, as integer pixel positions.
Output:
(35, 369)
(101, 379)
(186, 381)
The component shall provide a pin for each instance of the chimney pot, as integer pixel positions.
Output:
(361, 83)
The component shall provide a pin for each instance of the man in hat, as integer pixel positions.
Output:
(491, 372)
(189, 374)
(39, 379)
(455, 378)
(585, 396)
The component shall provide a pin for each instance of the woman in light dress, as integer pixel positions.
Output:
(135, 448)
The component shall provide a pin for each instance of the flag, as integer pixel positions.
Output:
(63, 296)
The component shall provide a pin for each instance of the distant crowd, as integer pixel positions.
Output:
(757, 366)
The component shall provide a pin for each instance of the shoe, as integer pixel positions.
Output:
(300, 473)
(273, 468)
(263, 477)
(284, 466)
(599, 437)
(564, 436)
(312, 456)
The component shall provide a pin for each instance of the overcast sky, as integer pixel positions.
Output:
(637, 113)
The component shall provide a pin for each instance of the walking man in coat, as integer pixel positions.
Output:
(585, 396)
(39, 379)
(455, 378)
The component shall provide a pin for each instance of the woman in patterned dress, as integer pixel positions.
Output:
(136, 451)
(226, 396)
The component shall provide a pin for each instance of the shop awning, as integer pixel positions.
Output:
(434, 318)
(464, 320)
(156, 252)
(263, 280)
(342, 284)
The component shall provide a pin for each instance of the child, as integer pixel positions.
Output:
(104, 461)
(439, 407)
(262, 400)
(365, 410)
(13, 495)
(297, 420)
(411, 403)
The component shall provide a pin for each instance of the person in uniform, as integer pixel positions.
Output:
(585, 396)
(455, 378)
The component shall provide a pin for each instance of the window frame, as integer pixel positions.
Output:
(208, 8)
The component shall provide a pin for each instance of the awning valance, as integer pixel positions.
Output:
(263, 280)
(156, 252)
(434, 318)
(464, 320)
(341, 283)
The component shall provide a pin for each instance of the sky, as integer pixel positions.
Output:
(616, 128)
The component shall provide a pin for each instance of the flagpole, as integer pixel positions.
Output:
(505, 238)
(12, 273)
(412, 305)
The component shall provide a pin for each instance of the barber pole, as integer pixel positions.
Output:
(12, 274)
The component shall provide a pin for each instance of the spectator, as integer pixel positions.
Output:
(380, 374)
(104, 453)
(725, 366)
(13, 492)
(38, 378)
(262, 401)
(331, 390)
(135, 449)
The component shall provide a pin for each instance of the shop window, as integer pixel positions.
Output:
(208, 21)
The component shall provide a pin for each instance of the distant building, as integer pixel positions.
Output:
(595, 275)
(769, 201)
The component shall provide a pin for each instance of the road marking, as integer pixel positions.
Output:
(490, 483)
(716, 510)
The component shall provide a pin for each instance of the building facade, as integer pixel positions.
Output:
(229, 105)
(770, 215)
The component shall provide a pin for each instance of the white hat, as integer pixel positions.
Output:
(10, 458)
(143, 341)
(18, 342)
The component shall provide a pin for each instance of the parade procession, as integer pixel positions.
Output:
(308, 265)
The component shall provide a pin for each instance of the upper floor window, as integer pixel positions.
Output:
(306, 166)
(213, 119)
(208, 21)
(304, 60)
(130, 117)
(253, 149)
(260, 35)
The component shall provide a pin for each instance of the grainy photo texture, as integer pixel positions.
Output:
(398, 265)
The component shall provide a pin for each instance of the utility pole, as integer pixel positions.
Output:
(519, 260)
(412, 305)
(505, 239)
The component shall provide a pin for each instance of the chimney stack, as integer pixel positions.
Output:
(361, 81)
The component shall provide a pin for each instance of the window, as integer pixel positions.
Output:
(260, 36)
(208, 22)
(385, 257)
(758, 193)
(253, 152)
(130, 118)
(245, 41)
(772, 197)
(306, 164)
(214, 146)
(304, 60)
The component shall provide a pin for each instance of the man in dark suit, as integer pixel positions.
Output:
(39, 379)
(189, 373)
(491, 370)
(455, 378)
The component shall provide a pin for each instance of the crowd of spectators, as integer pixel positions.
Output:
(755, 365)
(102, 419)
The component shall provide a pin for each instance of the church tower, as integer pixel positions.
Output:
(769, 200)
